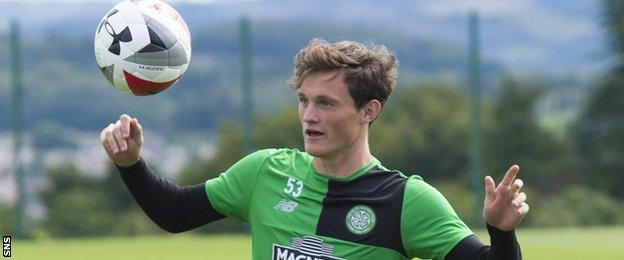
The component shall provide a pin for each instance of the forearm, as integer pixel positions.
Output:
(503, 246)
(172, 208)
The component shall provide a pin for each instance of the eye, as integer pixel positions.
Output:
(303, 101)
(325, 103)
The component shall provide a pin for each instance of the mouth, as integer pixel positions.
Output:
(311, 133)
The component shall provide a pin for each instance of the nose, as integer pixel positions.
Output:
(309, 114)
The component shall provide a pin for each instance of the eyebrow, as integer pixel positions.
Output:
(301, 95)
(327, 98)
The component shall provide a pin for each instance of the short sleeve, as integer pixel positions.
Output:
(231, 192)
(430, 228)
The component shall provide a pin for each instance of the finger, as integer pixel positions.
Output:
(489, 186)
(510, 175)
(517, 185)
(103, 134)
(121, 142)
(518, 200)
(110, 139)
(136, 131)
(125, 125)
(524, 209)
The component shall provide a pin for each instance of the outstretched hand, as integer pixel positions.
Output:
(504, 206)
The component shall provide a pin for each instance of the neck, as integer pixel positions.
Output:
(344, 163)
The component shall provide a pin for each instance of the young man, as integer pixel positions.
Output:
(335, 200)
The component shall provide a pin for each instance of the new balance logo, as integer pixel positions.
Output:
(286, 205)
(306, 248)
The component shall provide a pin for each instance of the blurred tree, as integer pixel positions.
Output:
(578, 205)
(7, 221)
(229, 150)
(281, 130)
(75, 204)
(83, 204)
(513, 136)
(115, 190)
(600, 137)
(79, 212)
(599, 133)
(613, 23)
(423, 131)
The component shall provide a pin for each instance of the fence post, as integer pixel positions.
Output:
(16, 122)
(476, 150)
(245, 48)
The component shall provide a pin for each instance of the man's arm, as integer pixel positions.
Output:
(171, 207)
(504, 246)
(503, 207)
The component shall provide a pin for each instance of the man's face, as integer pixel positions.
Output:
(331, 123)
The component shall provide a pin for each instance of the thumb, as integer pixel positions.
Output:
(136, 131)
(489, 186)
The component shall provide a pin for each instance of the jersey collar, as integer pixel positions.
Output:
(374, 162)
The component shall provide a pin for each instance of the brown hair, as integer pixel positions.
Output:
(370, 72)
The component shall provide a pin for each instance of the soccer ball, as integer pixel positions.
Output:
(142, 47)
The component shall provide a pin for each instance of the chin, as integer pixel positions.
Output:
(314, 152)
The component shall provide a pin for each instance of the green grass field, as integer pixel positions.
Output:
(569, 243)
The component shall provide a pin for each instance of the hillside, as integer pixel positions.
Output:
(62, 83)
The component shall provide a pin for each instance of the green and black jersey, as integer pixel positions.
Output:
(296, 212)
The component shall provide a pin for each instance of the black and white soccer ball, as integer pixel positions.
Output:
(142, 47)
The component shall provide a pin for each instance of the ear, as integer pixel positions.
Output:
(371, 111)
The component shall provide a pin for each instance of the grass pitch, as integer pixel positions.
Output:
(568, 243)
(180, 246)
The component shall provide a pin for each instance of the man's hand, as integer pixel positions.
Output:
(504, 206)
(123, 140)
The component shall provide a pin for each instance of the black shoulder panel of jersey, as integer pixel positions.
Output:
(380, 190)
